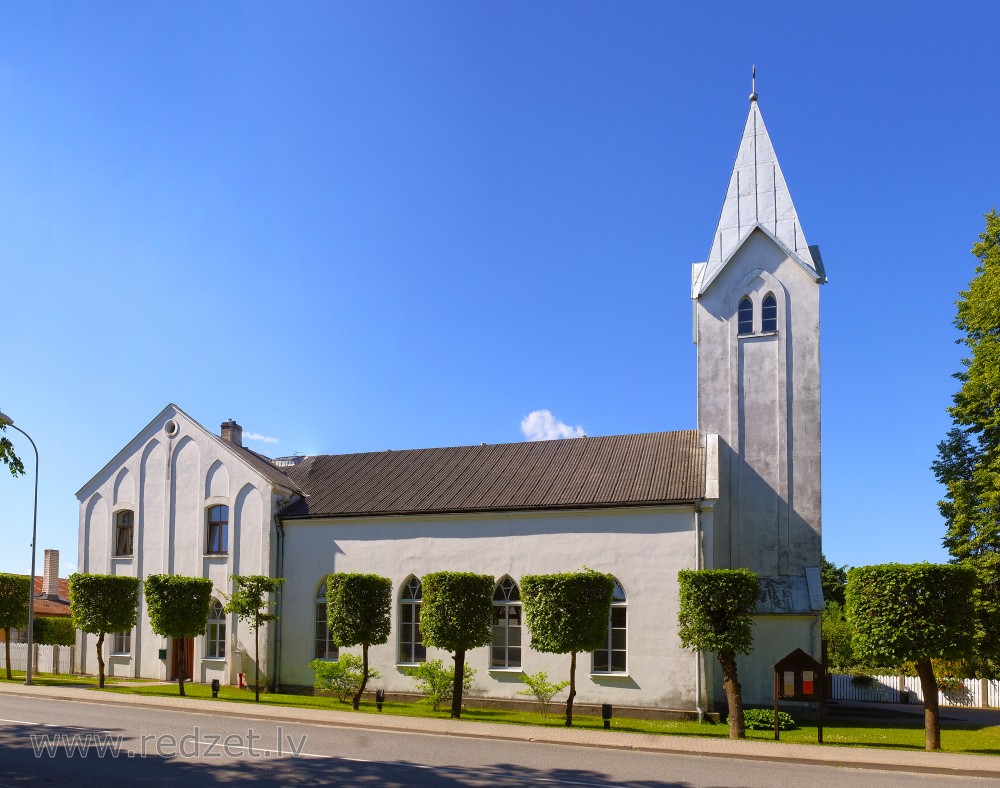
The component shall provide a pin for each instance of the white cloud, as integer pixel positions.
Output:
(541, 425)
(254, 436)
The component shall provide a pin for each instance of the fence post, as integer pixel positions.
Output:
(984, 693)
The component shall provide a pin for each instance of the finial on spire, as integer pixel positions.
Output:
(753, 83)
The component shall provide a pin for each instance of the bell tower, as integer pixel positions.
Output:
(756, 327)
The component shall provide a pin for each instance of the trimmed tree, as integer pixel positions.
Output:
(913, 613)
(14, 592)
(456, 614)
(716, 614)
(359, 608)
(251, 602)
(178, 608)
(100, 604)
(567, 613)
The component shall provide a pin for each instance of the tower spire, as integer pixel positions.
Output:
(753, 83)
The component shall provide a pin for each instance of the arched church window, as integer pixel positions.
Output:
(215, 634)
(326, 648)
(745, 316)
(612, 658)
(769, 313)
(506, 652)
(411, 642)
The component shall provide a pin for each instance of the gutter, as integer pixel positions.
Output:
(280, 531)
(697, 654)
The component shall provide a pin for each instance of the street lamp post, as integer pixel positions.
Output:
(4, 419)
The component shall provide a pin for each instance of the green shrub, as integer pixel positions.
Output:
(763, 720)
(342, 677)
(543, 690)
(55, 631)
(437, 682)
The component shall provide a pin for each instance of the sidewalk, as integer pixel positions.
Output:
(855, 757)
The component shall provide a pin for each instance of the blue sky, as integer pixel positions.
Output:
(360, 226)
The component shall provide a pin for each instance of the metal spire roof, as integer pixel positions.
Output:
(757, 197)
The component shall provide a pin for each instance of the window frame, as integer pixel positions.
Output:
(744, 313)
(121, 528)
(506, 597)
(214, 528)
(121, 644)
(322, 649)
(215, 631)
(619, 602)
(769, 324)
(410, 601)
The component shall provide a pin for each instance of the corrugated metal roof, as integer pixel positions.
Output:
(264, 466)
(615, 470)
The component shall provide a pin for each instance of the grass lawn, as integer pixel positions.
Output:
(973, 739)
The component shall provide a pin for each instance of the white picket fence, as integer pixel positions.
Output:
(47, 659)
(976, 693)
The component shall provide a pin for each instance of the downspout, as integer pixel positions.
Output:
(697, 654)
(280, 531)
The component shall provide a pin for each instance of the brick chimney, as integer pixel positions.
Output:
(232, 432)
(50, 578)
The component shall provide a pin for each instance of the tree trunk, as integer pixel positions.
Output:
(364, 676)
(572, 688)
(181, 659)
(932, 717)
(256, 664)
(100, 660)
(456, 695)
(734, 694)
(6, 644)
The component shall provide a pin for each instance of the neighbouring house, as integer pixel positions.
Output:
(51, 596)
(742, 489)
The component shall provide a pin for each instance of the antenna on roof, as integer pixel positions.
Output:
(753, 83)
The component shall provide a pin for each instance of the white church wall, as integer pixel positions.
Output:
(774, 637)
(643, 548)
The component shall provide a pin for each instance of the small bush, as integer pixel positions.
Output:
(54, 631)
(950, 685)
(437, 682)
(763, 720)
(542, 689)
(342, 677)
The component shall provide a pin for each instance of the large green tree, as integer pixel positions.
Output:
(251, 602)
(968, 461)
(178, 608)
(14, 592)
(456, 614)
(359, 613)
(913, 613)
(716, 614)
(833, 578)
(568, 613)
(100, 604)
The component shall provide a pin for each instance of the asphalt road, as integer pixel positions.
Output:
(54, 743)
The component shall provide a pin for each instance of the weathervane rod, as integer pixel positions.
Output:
(753, 83)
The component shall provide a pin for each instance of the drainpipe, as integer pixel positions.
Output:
(697, 654)
(280, 531)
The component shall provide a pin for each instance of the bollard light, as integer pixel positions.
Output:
(379, 698)
(606, 714)
(215, 688)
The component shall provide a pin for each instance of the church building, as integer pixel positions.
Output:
(740, 490)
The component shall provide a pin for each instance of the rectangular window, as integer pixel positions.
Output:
(121, 643)
(218, 530)
(123, 533)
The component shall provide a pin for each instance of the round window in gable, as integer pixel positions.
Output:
(170, 428)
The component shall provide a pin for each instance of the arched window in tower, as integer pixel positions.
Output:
(769, 313)
(613, 658)
(745, 316)
(506, 651)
